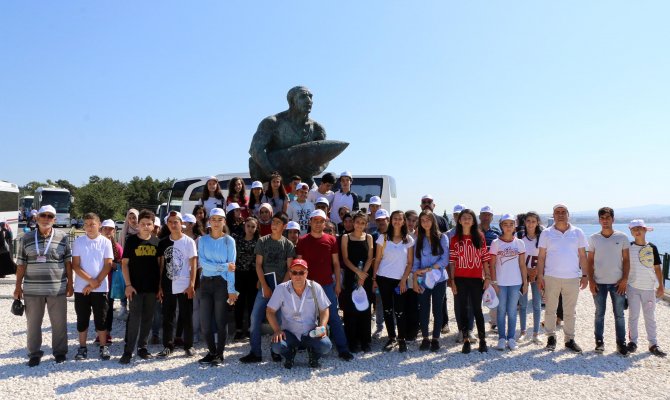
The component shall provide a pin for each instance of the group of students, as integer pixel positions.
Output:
(256, 253)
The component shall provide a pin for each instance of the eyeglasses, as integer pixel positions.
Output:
(46, 216)
(298, 273)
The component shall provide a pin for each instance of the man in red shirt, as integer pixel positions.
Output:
(320, 250)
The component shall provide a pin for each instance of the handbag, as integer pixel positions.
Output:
(118, 290)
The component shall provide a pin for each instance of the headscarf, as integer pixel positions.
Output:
(127, 229)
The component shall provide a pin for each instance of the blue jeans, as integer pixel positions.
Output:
(336, 327)
(436, 294)
(509, 298)
(319, 346)
(256, 322)
(537, 308)
(618, 301)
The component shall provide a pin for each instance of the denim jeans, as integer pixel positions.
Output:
(618, 301)
(334, 321)
(319, 346)
(256, 322)
(537, 308)
(214, 302)
(435, 295)
(509, 298)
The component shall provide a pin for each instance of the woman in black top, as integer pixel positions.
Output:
(245, 276)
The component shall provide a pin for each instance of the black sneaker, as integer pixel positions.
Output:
(275, 357)
(251, 358)
(60, 358)
(206, 359)
(313, 360)
(104, 353)
(34, 361)
(600, 346)
(425, 344)
(346, 356)
(622, 349)
(164, 353)
(632, 347)
(551, 343)
(390, 344)
(483, 348)
(190, 352)
(125, 358)
(217, 360)
(655, 350)
(572, 345)
(144, 354)
(288, 362)
(402, 346)
(82, 354)
(466, 347)
(434, 345)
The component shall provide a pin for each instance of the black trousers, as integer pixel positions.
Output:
(470, 290)
(245, 283)
(170, 302)
(357, 324)
(393, 304)
(213, 303)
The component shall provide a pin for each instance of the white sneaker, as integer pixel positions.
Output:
(512, 344)
(473, 338)
(502, 343)
(523, 336)
(537, 339)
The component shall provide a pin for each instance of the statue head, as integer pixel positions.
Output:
(299, 99)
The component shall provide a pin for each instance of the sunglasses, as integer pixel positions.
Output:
(426, 201)
(298, 273)
(47, 216)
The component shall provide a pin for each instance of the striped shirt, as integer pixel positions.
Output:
(47, 278)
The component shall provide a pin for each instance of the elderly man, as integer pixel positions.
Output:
(283, 130)
(561, 270)
(304, 312)
(44, 278)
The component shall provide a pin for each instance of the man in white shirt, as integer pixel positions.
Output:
(609, 264)
(300, 209)
(561, 267)
(343, 198)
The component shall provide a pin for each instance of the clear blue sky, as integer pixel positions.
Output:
(517, 105)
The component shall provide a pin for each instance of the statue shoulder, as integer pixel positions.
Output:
(319, 130)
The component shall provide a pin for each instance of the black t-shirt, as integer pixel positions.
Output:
(143, 265)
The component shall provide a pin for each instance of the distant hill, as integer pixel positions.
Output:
(648, 211)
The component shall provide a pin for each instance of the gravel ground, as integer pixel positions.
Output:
(528, 372)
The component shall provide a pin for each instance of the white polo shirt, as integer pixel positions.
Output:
(562, 259)
(298, 314)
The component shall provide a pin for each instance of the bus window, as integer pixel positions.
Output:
(178, 190)
(9, 201)
(196, 194)
(365, 188)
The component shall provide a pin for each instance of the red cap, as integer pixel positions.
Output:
(299, 261)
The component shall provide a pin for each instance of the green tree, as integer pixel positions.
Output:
(104, 197)
(29, 188)
(142, 192)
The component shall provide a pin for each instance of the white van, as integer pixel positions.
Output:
(185, 193)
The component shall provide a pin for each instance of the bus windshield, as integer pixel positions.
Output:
(59, 200)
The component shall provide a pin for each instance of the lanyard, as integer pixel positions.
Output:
(37, 244)
(302, 302)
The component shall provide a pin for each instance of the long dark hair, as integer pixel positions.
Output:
(239, 198)
(252, 200)
(282, 192)
(403, 230)
(538, 228)
(475, 235)
(257, 233)
(217, 191)
(433, 235)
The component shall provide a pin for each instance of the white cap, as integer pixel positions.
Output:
(189, 218)
(486, 209)
(157, 221)
(431, 278)
(427, 197)
(108, 223)
(489, 299)
(375, 200)
(218, 212)
(256, 185)
(33, 212)
(507, 217)
(302, 186)
(322, 200)
(639, 223)
(360, 299)
(347, 174)
(292, 225)
(47, 209)
(317, 213)
(232, 206)
(212, 178)
(382, 214)
(559, 205)
(458, 208)
(174, 214)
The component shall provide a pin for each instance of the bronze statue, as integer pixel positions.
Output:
(291, 143)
